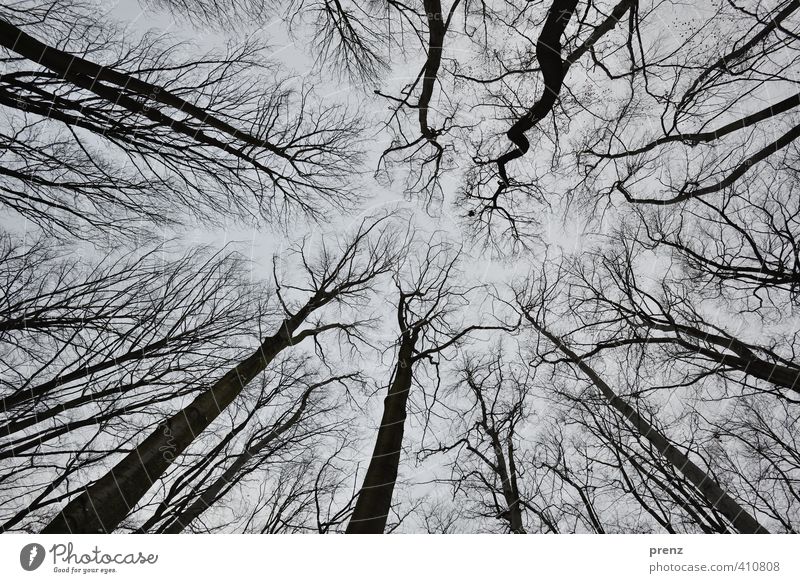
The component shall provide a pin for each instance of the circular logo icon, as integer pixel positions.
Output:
(31, 556)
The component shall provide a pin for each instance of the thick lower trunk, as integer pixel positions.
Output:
(705, 484)
(711, 491)
(105, 503)
(375, 498)
(514, 503)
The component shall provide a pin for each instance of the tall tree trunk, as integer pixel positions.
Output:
(375, 498)
(106, 502)
(705, 484)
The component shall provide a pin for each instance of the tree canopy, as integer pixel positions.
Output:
(366, 267)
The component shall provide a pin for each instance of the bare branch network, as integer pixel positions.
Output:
(373, 267)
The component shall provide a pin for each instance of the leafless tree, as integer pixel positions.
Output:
(485, 468)
(715, 496)
(102, 131)
(87, 344)
(430, 321)
(639, 376)
(672, 316)
(340, 275)
(263, 444)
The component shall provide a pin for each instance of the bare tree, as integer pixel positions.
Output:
(485, 468)
(89, 343)
(531, 304)
(707, 94)
(337, 277)
(641, 161)
(673, 317)
(714, 494)
(219, 133)
(429, 321)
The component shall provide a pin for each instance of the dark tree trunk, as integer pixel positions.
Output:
(745, 360)
(548, 54)
(511, 492)
(511, 496)
(436, 32)
(508, 480)
(93, 77)
(106, 502)
(375, 497)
